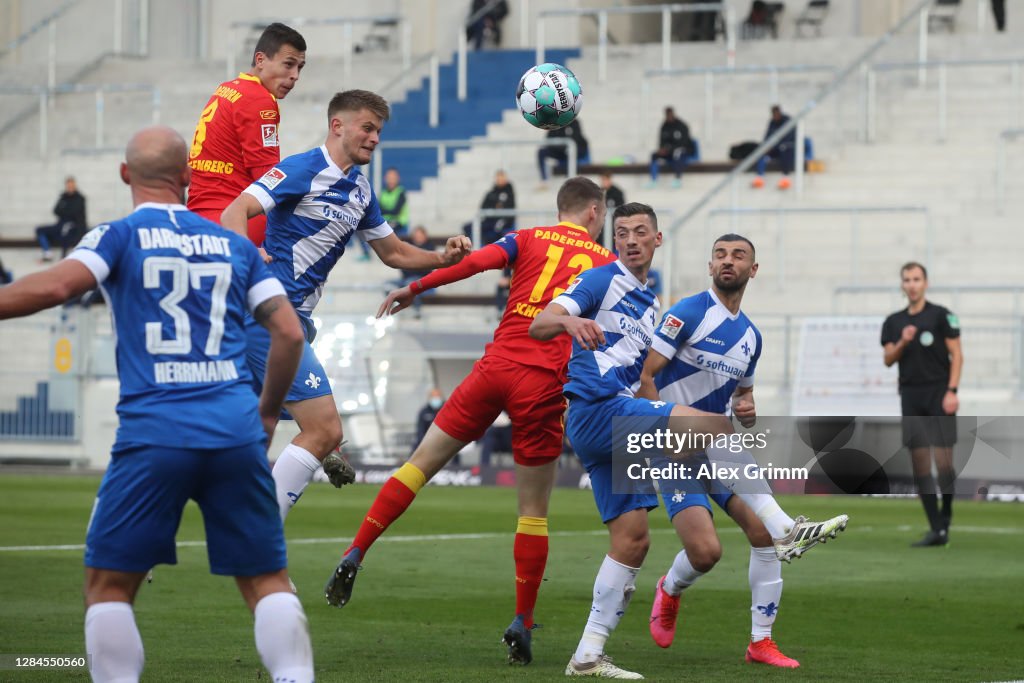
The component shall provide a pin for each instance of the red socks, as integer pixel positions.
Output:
(395, 496)
(531, 556)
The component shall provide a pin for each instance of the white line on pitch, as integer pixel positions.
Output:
(489, 535)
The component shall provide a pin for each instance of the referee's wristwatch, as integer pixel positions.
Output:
(951, 390)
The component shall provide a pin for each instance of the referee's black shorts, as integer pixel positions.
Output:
(924, 422)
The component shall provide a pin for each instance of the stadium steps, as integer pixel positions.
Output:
(484, 104)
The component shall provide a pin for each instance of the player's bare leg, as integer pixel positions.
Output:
(701, 552)
(398, 492)
(298, 462)
(530, 552)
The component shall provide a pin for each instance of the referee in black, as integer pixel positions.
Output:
(924, 339)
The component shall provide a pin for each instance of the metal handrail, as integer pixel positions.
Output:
(1017, 291)
(795, 123)
(709, 73)
(666, 11)
(1015, 64)
(853, 211)
(98, 89)
(1009, 135)
(442, 146)
(38, 26)
(345, 22)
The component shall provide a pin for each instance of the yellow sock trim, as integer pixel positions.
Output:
(533, 526)
(411, 476)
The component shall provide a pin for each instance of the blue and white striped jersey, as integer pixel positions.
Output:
(313, 209)
(710, 352)
(179, 287)
(627, 311)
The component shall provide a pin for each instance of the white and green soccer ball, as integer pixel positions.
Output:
(549, 96)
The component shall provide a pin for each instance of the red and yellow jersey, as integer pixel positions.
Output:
(544, 261)
(236, 142)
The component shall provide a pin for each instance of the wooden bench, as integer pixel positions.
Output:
(458, 300)
(724, 166)
(18, 243)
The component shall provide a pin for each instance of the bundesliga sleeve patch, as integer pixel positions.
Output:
(573, 286)
(91, 240)
(272, 178)
(953, 321)
(671, 326)
(269, 131)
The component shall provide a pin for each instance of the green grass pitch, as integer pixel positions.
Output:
(437, 592)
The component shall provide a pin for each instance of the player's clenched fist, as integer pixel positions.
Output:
(456, 249)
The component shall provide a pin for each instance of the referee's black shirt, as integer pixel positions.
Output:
(925, 360)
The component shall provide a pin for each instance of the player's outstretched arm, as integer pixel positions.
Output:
(404, 256)
(39, 291)
(654, 364)
(286, 346)
(491, 257)
(554, 320)
(397, 300)
(236, 216)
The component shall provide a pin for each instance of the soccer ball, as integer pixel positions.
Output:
(549, 96)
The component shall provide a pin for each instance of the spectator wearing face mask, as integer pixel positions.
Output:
(435, 399)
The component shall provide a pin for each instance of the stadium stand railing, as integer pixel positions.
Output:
(665, 10)
(350, 46)
(1005, 137)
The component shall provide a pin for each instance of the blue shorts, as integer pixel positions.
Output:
(588, 425)
(310, 380)
(138, 509)
(686, 493)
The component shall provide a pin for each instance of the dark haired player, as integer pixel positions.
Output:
(237, 139)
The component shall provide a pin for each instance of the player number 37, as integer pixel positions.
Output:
(186, 276)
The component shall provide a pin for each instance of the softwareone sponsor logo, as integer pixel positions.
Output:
(717, 364)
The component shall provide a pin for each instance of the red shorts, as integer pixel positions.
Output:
(531, 396)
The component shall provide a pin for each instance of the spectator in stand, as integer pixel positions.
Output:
(675, 146)
(393, 208)
(6, 276)
(425, 418)
(501, 292)
(70, 225)
(497, 439)
(784, 152)
(999, 13)
(560, 153)
(501, 196)
(485, 17)
(418, 238)
(613, 195)
(393, 204)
